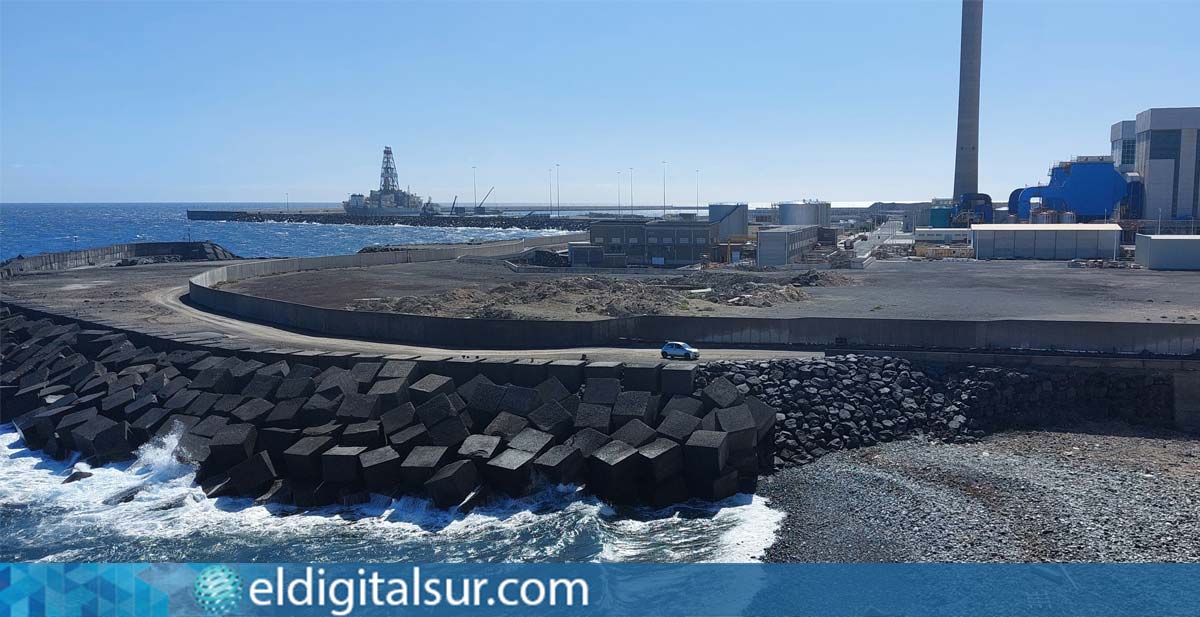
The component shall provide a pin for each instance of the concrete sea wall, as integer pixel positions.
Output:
(66, 260)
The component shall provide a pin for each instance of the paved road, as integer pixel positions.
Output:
(200, 320)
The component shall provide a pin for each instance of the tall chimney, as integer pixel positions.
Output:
(966, 158)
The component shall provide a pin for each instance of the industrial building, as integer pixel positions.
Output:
(1168, 252)
(1034, 241)
(785, 244)
(670, 243)
(942, 235)
(732, 219)
(1167, 158)
(1090, 187)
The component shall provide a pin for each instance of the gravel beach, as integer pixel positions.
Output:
(1100, 492)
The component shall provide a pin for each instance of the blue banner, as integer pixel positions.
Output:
(825, 590)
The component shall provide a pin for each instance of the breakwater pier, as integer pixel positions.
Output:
(336, 217)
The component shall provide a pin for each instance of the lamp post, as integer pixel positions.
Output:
(631, 202)
(697, 190)
(557, 190)
(618, 192)
(664, 163)
(474, 188)
(550, 194)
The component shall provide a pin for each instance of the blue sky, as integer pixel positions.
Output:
(848, 101)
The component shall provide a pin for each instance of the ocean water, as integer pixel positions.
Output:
(170, 519)
(29, 229)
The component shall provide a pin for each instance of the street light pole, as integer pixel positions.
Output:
(550, 194)
(474, 187)
(697, 190)
(618, 192)
(664, 188)
(557, 190)
(631, 202)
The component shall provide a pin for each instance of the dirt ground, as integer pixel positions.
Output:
(888, 289)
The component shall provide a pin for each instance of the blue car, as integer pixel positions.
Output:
(683, 351)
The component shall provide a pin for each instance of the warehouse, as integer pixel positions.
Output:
(1049, 241)
(672, 243)
(1158, 252)
(785, 244)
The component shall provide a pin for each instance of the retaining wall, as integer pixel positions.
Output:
(1164, 339)
(114, 252)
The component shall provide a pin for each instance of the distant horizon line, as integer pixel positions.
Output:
(833, 203)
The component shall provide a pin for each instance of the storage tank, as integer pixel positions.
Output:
(939, 216)
(1067, 218)
(804, 213)
(1044, 217)
(734, 219)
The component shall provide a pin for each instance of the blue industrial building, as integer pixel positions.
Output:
(1089, 186)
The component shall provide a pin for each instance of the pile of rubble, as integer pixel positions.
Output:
(844, 402)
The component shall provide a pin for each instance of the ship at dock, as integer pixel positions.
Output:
(389, 199)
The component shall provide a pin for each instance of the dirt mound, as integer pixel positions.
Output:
(592, 297)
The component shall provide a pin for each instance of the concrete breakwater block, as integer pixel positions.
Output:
(461, 369)
(510, 471)
(391, 392)
(319, 409)
(434, 409)
(660, 459)
(398, 369)
(232, 444)
(365, 372)
(666, 492)
(480, 448)
(597, 417)
(253, 411)
(279, 368)
(451, 484)
(678, 426)
(216, 379)
(519, 401)
(340, 464)
(103, 438)
(561, 464)
(739, 423)
(506, 426)
(678, 378)
(639, 376)
(601, 391)
(262, 386)
(303, 459)
(467, 389)
(253, 475)
(764, 416)
(532, 440)
(275, 441)
(568, 372)
(381, 469)
(336, 382)
(420, 465)
(295, 388)
(449, 432)
(612, 472)
(588, 440)
(552, 390)
(285, 414)
(397, 419)
(707, 452)
(358, 408)
(633, 406)
(429, 385)
(714, 489)
(721, 393)
(484, 402)
(368, 434)
(635, 433)
(314, 494)
(552, 418)
(406, 439)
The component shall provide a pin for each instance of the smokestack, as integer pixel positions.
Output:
(966, 158)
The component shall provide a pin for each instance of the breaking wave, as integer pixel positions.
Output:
(149, 509)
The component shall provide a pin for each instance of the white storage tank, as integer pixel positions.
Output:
(1067, 218)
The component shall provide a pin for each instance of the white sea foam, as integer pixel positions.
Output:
(556, 523)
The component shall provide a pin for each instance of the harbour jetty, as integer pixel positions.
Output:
(333, 217)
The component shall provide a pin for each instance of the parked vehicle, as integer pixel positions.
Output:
(676, 349)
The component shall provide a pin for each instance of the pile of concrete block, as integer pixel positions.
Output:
(455, 430)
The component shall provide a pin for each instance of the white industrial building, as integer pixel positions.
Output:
(1158, 252)
(1163, 146)
(1054, 241)
(942, 235)
(784, 244)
